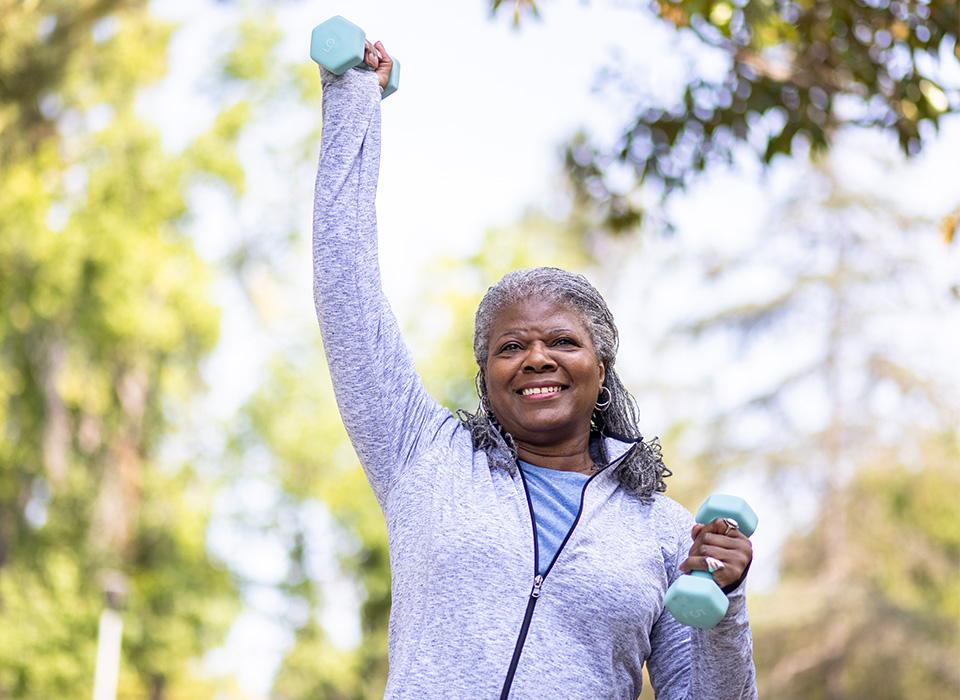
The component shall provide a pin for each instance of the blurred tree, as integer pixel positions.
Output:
(822, 340)
(105, 319)
(855, 289)
(294, 417)
(796, 72)
(880, 621)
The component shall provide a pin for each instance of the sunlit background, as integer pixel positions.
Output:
(767, 194)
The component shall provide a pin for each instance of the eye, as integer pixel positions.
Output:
(512, 346)
(564, 340)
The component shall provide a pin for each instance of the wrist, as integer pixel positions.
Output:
(727, 590)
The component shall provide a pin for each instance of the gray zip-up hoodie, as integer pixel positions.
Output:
(469, 621)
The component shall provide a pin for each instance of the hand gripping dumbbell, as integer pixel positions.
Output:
(695, 599)
(339, 45)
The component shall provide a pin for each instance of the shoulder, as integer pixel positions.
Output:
(673, 520)
(667, 520)
(671, 509)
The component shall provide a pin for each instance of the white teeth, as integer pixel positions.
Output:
(541, 390)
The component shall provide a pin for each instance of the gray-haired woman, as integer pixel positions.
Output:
(530, 543)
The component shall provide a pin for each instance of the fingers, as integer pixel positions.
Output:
(376, 56)
(720, 548)
(371, 56)
(382, 52)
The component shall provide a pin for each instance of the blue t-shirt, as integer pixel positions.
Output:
(555, 496)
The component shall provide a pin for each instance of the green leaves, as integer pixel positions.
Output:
(798, 73)
(107, 317)
(253, 50)
(518, 6)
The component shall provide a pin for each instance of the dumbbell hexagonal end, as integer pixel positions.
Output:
(696, 600)
(721, 505)
(337, 44)
(393, 82)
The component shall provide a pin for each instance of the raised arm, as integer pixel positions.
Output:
(382, 401)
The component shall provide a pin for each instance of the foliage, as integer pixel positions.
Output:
(106, 318)
(880, 620)
(842, 270)
(795, 73)
(294, 416)
(518, 7)
(827, 397)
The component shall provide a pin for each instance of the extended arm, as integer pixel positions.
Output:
(382, 401)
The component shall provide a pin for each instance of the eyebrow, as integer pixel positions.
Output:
(517, 331)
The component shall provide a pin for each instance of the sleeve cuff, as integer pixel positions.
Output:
(727, 590)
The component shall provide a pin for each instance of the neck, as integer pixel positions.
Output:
(575, 459)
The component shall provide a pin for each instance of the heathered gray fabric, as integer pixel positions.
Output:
(461, 537)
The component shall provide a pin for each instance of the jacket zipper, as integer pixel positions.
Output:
(531, 604)
(537, 580)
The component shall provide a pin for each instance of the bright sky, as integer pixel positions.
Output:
(471, 139)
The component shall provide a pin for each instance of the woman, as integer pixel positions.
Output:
(530, 546)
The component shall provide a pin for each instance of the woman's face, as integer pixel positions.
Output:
(543, 377)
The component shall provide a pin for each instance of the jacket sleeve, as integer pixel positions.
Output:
(687, 663)
(382, 401)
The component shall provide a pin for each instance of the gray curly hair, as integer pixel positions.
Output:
(642, 471)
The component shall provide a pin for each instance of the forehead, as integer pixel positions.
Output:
(536, 314)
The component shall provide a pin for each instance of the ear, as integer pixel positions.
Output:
(603, 371)
(481, 378)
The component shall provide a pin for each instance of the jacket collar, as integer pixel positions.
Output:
(617, 448)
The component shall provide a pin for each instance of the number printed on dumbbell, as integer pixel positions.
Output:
(330, 44)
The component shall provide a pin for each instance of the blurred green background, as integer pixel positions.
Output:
(766, 192)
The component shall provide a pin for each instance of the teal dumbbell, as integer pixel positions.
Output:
(339, 45)
(696, 600)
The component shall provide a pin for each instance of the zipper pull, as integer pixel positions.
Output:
(537, 582)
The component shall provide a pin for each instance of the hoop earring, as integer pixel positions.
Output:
(484, 406)
(602, 406)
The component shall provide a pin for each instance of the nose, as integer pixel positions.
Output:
(538, 359)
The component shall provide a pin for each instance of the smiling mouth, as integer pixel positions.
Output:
(536, 390)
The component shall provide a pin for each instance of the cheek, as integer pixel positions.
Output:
(495, 376)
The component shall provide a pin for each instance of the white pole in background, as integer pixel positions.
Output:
(107, 673)
(108, 655)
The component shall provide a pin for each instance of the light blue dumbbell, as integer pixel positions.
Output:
(339, 45)
(696, 600)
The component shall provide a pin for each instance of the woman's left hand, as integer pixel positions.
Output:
(723, 542)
